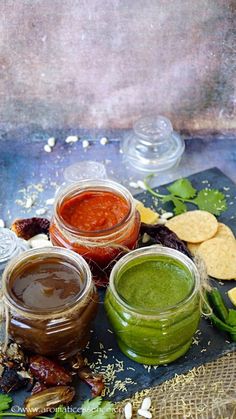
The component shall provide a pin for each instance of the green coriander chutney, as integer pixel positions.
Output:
(153, 304)
(154, 284)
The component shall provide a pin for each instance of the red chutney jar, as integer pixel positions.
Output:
(98, 220)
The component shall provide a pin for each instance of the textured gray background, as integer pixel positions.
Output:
(103, 63)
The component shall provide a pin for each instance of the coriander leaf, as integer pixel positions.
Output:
(60, 412)
(211, 200)
(167, 198)
(180, 207)
(5, 402)
(90, 405)
(108, 408)
(182, 188)
(98, 410)
(231, 320)
(182, 191)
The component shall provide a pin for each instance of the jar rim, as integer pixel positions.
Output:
(155, 250)
(105, 185)
(47, 252)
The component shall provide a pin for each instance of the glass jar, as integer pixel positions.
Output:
(60, 330)
(100, 247)
(147, 335)
(10, 246)
(153, 146)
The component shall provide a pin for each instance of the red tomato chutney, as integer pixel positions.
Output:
(94, 211)
(98, 220)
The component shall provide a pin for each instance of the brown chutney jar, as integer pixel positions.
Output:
(50, 301)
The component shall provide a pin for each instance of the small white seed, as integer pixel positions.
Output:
(51, 141)
(50, 201)
(141, 185)
(47, 148)
(2, 223)
(161, 221)
(104, 141)
(71, 139)
(145, 413)
(133, 185)
(85, 143)
(146, 404)
(128, 411)
(41, 211)
(167, 215)
(29, 202)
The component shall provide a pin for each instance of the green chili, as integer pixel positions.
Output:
(221, 325)
(217, 304)
(222, 318)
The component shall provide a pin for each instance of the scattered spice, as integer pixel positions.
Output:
(110, 372)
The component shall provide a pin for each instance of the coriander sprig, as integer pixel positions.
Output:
(91, 409)
(182, 191)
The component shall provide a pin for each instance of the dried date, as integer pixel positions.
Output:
(38, 387)
(47, 400)
(95, 381)
(25, 228)
(11, 380)
(48, 372)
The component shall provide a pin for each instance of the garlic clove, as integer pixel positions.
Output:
(146, 404)
(145, 413)
(128, 411)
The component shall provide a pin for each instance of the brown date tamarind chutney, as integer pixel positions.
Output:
(52, 301)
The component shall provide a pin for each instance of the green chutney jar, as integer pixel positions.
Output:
(153, 304)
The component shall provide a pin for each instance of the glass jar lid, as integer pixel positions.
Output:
(84, 170)
(153, 145)
(10, 245)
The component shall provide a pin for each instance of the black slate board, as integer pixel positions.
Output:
(211, 342)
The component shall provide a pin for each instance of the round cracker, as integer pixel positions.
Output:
(224, 231)
(194, 226)
(193, 247)
(219, 256)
